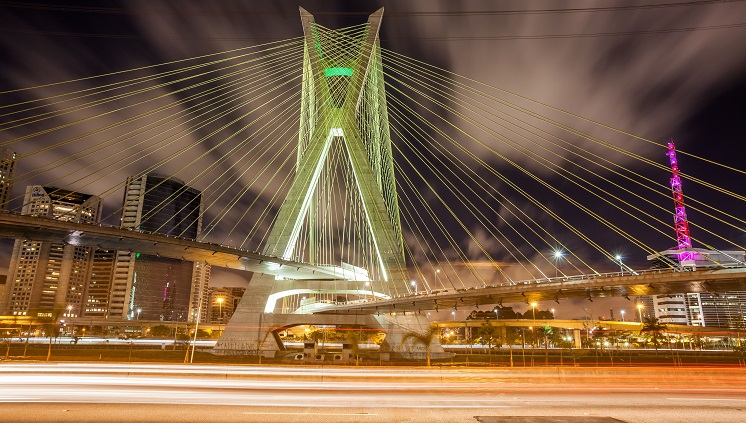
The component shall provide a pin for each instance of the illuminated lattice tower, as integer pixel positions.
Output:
(681, 224)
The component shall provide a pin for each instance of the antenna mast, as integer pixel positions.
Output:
(680, 222)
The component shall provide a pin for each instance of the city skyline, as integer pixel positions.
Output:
(615, 78)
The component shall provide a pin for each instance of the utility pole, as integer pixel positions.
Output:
(196, 323)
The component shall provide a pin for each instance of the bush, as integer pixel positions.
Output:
(160, 331)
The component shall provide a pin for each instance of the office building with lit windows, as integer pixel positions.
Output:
(44, 277)
(99, 284)
(148, 287)
(713, 309)
(7, 166)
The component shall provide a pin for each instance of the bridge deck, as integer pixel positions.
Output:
(649, 282)
(113, 238)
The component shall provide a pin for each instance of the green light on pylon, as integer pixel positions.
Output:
(337, 72)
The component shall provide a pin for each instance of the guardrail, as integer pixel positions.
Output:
(537, 281)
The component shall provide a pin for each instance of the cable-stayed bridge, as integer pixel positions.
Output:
(343, 173)
(609, 284)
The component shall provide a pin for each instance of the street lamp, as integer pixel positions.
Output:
(533, 312)
(414, 285)
(553, 314)
(453, 313)
(138, 313)
(558, 254)
(623, 315)
(220, 303)
(69, 311)
(621, 265)
(533, 309)
(639, 309)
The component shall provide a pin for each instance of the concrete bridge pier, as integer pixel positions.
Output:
(397, 326)
(576, 338)
(251, 331)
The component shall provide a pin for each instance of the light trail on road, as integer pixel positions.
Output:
(340, 394)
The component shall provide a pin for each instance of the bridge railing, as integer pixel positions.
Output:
(561, 279)
(426, 293)
(142, 231)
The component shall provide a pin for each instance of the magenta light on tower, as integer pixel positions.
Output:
(681, 225)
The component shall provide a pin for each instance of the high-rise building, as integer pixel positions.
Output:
(46, 277)
(670, 309)
(156, 288)
(99, 285)
(715, 309)
(724, 310)
(7, 165)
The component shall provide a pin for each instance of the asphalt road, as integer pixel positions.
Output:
(84, 392)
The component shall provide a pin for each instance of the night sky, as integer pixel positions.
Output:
(659, 70)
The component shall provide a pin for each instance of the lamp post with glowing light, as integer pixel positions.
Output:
(533, 312)
(558, 254)
(220, 318)
(453, 313)
(639, 309)
(618, 258)
(623, 315)
(414, 285)
(138, 313)
(70, 314)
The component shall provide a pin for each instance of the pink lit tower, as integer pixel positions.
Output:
(681, 225)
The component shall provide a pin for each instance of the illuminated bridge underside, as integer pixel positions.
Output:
(647, 283)
(111, 238)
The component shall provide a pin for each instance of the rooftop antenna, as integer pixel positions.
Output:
(680, 222)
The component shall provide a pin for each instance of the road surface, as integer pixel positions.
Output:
(82, 392)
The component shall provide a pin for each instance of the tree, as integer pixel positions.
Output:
(160, 331)
(740, 326)
(740, 352)
(353, 340)
(653, 330)
(546, 331)
(489, 334)
(6, 337)
(50, 327)
(506, 313)
(422, 338)
(511, 335)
